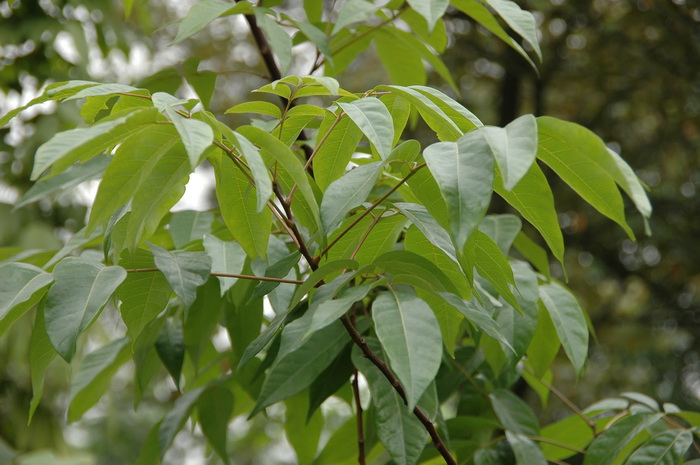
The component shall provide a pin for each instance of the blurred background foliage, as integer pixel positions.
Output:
(626, 69)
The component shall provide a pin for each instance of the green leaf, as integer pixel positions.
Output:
(526, 452)
(521, 21)
(204, 12)
(434, 116)
(346, 193)
(545, 343)
(330, 381)
(565, 147)
(606, 448)
(302, 433)
(502, 229)
(373, 118)
(279, 269)
(277, 37)
(73, 176)
(288, 161)
(400, 432)
(226, 257)
(185, 271)
(353, 11)
(298, 369)
(102, 89)
(514, 147)
(201, 320)
(411, 338)
(215, 407)
(666, 448)
(41, 353)
(513, 413)
(82, 144)
(533, 198)
(175, 419)
(533, 252)
(382, 238)
(150, 453)
(431, 10)
(463, 118)
(335, 145)
(407, 267)
(170, 347)
(263, 184)
(330, 310)
(21, 287)
(258, 107)
(492, 265)
(82, 287)
(94, 375)
(143, 295)
(317, 37)
(134, 164)
(189, 225)
(154, 199)
(629, 182)
(239, 207)
(464, 173)
(569, 322)
(400, 58)
(572, 431)
(196, 136)
(479, 13)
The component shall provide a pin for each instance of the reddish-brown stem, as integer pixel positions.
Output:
(228, 275)
(360, 427)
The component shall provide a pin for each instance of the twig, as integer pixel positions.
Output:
(227, 275)
(360, 428)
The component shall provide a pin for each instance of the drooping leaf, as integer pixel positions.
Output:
(353, 11)
(73, 176)
(533, 252)
(215, 407)
(424, 221)
(525, 450)
(335, 144)
(263, 184)
(175, 419)
(414, 269)
(521, 21)
(94, 375)
(374, 120)
(317, 37)
(513, 413)
(492, 265)
(569, 322)
(411, 338)
(545, 343)
(82, 287)
(606, 448)
(201, 320)
(189, 225)
(330, 381)
(400, 432)
(431, 10)
(196, 136)
(21, 287)
(303, 433)
(514, 148)
(463, 118)
(330, 310)
(41, 353)
(572, 431)
(239, 207)
(259, 107)
(277, 37)
(298, 369)
(279, 269)
(629, 182)
(143, 295)
(66, 147)
(533, 198)
(666, 448)
(185, 271)
(464, 172)
(401, 60)
(502, 229)
(102, 89)
(204, 12)
(346, 193)
(170, 347)
(226, 257)
(565, 148)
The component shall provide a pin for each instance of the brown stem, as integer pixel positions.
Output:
(228, 275)
(360, 428)
(393, 380)
(272, 68)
